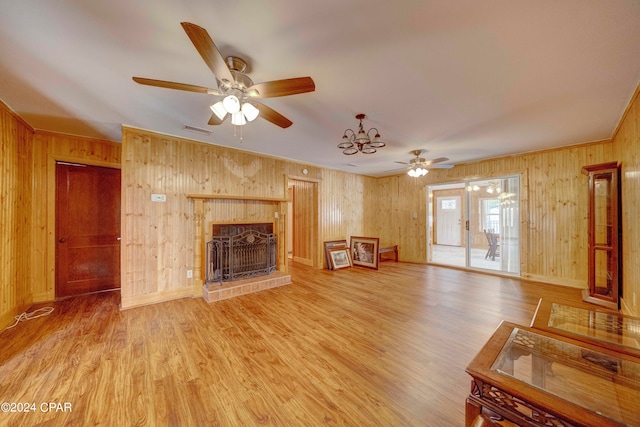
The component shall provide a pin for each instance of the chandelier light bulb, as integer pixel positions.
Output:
(362, 137)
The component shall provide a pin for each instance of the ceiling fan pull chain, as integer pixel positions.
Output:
(235, 132)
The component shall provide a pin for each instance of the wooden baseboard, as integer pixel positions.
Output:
(303, 261)
(9, 317)
(44, 297)
(554, 281)
(138, 301)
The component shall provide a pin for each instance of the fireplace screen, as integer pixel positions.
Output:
(241, 256)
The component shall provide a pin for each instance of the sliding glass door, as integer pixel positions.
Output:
(485, 214)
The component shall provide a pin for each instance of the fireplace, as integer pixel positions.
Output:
(240, 251)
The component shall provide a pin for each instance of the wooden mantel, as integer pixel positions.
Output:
(229, 197)
(199, 236)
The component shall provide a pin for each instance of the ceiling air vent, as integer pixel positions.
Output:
(197, 130)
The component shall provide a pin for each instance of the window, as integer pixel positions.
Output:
(490, 215)
(448, 204)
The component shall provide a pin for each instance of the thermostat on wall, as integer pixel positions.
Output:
(158, 197)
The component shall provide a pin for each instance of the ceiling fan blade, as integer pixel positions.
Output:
(208, 51)
(434, 161)
(439, 166)
(174, 85)
(272, 115)
(401, 163)
(284, 87)
(395, 170)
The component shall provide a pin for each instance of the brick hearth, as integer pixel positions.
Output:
(216, 292)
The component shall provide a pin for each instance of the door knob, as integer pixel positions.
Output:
(62, 240)
(118, 238)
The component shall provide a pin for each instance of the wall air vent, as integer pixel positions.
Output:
(196, 130)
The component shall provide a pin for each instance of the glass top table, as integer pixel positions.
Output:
(529, 376)
(588, 323)
(604, 384)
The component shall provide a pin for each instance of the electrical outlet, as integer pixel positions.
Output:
(189, 274)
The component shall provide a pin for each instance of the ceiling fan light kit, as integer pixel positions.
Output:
(249, 111)
(420, 167)
(362, 142)
(417, 171)
(234, 85)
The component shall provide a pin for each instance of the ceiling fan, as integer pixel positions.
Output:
(237, 89)
(419, 166)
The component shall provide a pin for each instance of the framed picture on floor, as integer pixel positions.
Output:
(364, 251)
(340, 258)
(331, 245)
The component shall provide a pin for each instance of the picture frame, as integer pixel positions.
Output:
(340, 258)
(332, 245)
(365, 251)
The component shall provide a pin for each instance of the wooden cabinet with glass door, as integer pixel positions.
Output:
(603, 235)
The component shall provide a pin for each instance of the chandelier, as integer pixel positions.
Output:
(362, 141)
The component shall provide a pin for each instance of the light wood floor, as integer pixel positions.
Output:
(354, 347)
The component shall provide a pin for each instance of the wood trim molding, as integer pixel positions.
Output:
(6, 107)
(303, 178)
(229, 197)
(9, 317)
(75, 137)
(156, 297)
(635, 95)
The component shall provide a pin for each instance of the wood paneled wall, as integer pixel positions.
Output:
(49, 147)
(347, 208)
(15, 205)
(626, 144)
(157, 237)
(157, 245)
(400, 206)
(553, 208)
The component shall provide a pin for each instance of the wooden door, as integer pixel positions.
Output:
(305, 224)
(87, 229)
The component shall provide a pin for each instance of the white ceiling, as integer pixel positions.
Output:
(463, 79)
